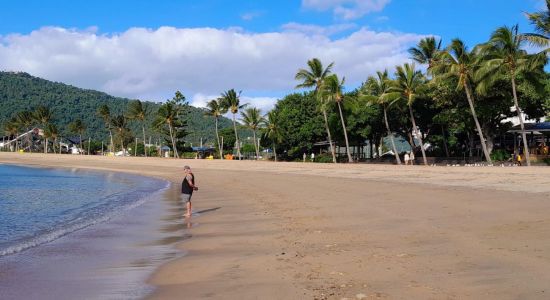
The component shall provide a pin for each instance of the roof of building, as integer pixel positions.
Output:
(540, 127)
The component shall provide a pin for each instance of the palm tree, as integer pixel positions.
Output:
(139, 111)
(504, 56)
(409, 84)
(11, 127)
(78, 127)
(377, 91)
(252, 118)
(541, 21)
(231, 102)
(168, 115)
(426, 52)
(314, 77)
(271, 130)
(25, 120)
(458, 62)
(42, 115)
(51, 131)
(216, 109)
(105, 114)
(120, 123)
(331, 90)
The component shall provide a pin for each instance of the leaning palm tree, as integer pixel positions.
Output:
(426, 52)
(139, 111)
(52, 132)
(409, 84)
(272, 131)
(377, 91)
(25, 121)
(458, 62)
(78, 127)
(331, 90)
(120, 124)
(252, 118)
(231, 102)
(168, 115)
(42, 115)
(314, 77)
(105, 113)
(504, 55)
(541, 21)
(216, 109)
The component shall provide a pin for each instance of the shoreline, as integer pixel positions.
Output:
(311, 231)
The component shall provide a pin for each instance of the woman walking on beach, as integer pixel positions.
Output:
(187, 188)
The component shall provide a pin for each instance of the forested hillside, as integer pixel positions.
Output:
(21, 91)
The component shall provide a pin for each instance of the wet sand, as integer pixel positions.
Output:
(312, 231)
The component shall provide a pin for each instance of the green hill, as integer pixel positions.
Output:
(21, 91)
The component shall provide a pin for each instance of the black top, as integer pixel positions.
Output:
(185, 187)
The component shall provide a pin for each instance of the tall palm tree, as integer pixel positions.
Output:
(105, 113)
(42, 115)
(272, 131)
(231, 102)
(314, 76)
(139, 111)
(377, 90)
(331, 90)
(51, 131)
(458, 62)
(252, 118)
(120, 123)
(78, 127)
(504, 55)
(25, 121)
(11, 127)
(426, 52)
(541, 21)
(216, 109)
(168, 115)
(409, 84)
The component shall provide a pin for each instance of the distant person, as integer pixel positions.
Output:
(312, 156)
(406, 158)
(304, 156)
(187, 188)
(412, 158)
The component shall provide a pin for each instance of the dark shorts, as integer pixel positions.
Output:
(186, 197)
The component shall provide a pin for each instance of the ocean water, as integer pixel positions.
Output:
(40, 205)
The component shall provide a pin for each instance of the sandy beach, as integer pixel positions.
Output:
(321, 231)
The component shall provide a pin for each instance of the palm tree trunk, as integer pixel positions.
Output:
(329, 137)
(397, 159)
(479, 132)
(444, 141)
(350, 159)
(520, 116)
(274, 152)
(236, 138)
(80, 151)
(46, 146)
(144, 147)
(218, 139)
(418, 135)
(173, 141)
(256, 145)
(112, 142)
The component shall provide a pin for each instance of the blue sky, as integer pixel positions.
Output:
(90, 43)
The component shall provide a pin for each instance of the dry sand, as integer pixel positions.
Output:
(323, 231)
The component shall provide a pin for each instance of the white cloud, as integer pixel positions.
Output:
(310, 29)
(201, 62)
(346, 9)
(249, 16)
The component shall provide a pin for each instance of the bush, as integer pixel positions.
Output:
(323, 158)
(547, 161)
(500, 155)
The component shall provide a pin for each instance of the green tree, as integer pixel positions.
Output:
(120, 124)
(11, 127)
(252, 118)
(216, 109)
(314, 76)
(169, 115)
(541, 21)
(504, 55)
(331, 91)
(409, 85)
(272, 131)
(231, 102)
(78, 127)
(42, 115)
(51, 131)
(138, 111)
(105, 113)
(426, 52)
(25, 120)
(458, 62)
(377, 90)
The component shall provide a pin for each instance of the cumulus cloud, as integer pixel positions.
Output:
(346, 9)
(151, 64)
(310, 29)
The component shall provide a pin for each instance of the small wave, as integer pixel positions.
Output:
(77, 224)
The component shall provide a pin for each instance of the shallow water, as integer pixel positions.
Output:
(109, 258)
